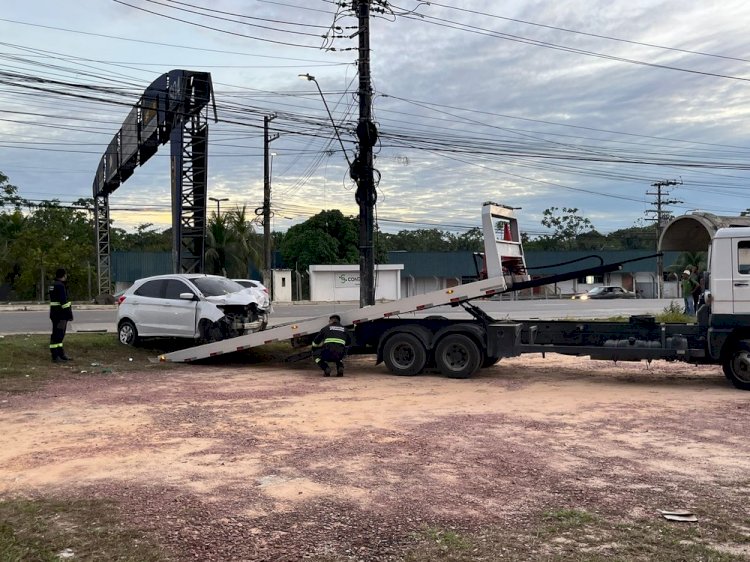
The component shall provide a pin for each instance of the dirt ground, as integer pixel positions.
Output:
(275, 463)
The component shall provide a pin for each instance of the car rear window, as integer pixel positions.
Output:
(153, 289)
(216, 286)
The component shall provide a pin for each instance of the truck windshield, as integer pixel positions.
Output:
(216, 286)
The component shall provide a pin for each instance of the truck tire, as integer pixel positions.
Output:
(489, 361)
(457, 356)
(404, 354)
(736, 364)
(127, 333)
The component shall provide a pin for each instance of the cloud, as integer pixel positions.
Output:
(539, 127)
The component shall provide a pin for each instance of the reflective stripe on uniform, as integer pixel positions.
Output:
(317, 359)
(54, 304)
(67, 305)
(334, 340)
(55, 345)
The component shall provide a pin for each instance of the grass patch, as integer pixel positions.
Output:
(572, 535)
(569, 518)
(673, 314)
(25, 359)
(40, 530)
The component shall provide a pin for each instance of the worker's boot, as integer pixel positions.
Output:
(56, 355)
(340, 371)
(327, 373)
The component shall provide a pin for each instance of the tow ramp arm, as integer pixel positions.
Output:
(311, 326)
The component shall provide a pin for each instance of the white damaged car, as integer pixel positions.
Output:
(205, 308)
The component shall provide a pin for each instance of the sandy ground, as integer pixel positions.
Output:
(267, 462)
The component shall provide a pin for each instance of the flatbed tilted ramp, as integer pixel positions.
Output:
(506, 268)
(310, 326)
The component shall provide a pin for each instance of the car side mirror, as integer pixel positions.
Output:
(187, 296)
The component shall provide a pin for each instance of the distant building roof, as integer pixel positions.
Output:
(434, 264)
(461, 264)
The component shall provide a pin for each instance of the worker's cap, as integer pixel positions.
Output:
(686, 272)
(335, 317)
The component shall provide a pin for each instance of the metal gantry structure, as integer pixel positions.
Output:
(173, 108)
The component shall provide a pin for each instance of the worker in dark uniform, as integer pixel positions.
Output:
(330, 345)
(60, 312)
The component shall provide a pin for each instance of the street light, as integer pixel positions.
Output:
(311, 78)
(218, 204)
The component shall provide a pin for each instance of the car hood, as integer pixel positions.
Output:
(241, 298)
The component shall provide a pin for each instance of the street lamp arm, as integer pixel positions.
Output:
(325, 103)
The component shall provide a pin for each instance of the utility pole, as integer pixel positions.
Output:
(267, 202)
(362, 170)
(660, 220)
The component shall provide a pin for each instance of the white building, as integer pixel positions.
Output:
(332, 283)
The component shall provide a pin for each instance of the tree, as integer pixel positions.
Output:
(232, 244)
(9, 194)
(53, 236)
(433, 240)
(144, 239)
(566, 226)
(326, 238)
(686, 260)
(636, 237)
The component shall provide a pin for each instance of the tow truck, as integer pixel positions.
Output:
(408, 339)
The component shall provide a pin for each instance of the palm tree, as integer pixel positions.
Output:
(246, 243)
(218, 240)
(688, 259)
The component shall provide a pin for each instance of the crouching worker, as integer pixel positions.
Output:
(330, 345)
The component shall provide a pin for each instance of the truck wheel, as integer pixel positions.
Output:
(489, 361)
(736, 365)
(404, 354)
(457, 356)
(127, 333)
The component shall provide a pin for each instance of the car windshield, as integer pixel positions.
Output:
(216, 286)
(596, 290)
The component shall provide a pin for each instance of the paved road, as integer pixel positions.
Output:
(103, 318)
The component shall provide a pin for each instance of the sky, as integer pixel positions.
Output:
(532, 104)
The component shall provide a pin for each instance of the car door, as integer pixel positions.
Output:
(149, 307)
(741, 276)
(179, 314)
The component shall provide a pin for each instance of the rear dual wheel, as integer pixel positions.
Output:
(457, 356)
(404, 354)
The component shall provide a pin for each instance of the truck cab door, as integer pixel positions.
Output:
(741, 275)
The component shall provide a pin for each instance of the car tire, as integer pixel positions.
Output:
(127, 333)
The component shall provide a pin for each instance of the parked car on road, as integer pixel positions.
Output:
(606, 292)
(202, 307)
